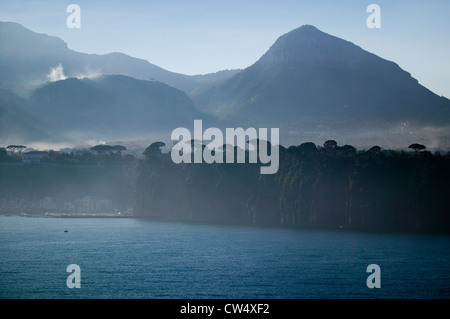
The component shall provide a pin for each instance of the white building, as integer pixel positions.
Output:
(33, 157)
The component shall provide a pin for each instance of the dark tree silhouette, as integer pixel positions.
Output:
(102, 148)
(375, 149)
(347, 149)
(20, 148)
(14, 148)
(417, 147)
(330, 144)
(119, 149)
(308, 147)
(11, 148)
(154, 148)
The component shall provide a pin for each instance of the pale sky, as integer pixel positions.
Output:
(204, 36)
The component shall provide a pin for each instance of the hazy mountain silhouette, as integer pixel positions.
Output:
(310, 80)
(311, 85)
(16, 123)
(111, 106)
(28, 58)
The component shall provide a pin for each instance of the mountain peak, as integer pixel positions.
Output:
(306, 28)
(307, 44)
(302, 33)
(318, 82)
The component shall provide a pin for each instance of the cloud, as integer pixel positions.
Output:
(88, 73)
(56, 74)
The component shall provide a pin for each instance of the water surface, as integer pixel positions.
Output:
(135, 258)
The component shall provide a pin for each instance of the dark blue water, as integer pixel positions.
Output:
(133, 258)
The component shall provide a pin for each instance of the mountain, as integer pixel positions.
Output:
(16, 124)
(310, 83)
(110, 106)
(50, 93)
(29, 59)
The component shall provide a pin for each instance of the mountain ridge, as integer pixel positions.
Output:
(311, 84)
(310, 81)
(36, 54)
(108, 107)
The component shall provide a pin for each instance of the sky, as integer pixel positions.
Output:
(205, 36)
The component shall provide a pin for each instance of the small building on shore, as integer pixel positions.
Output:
(34, 157)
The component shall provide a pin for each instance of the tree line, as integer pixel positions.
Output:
(103, 152)
(315, 186)
(327, 186)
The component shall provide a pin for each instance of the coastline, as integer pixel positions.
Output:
(333, 228)
(68, 215)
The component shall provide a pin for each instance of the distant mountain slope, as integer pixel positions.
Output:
(16, 124)
(309, 79)
(311, 85)
(27, 58)
(113, 105)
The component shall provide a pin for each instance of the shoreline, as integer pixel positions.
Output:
(67, 215)
(197, 222)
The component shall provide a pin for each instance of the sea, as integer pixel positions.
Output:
(120, 258)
